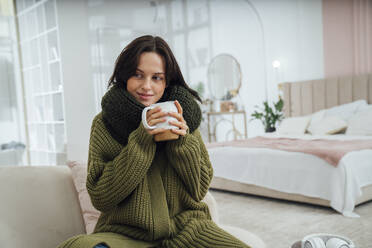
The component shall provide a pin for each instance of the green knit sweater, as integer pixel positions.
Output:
(150, 191)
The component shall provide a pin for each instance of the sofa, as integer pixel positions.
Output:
(40, 208)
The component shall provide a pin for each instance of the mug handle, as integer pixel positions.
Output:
(144, 120)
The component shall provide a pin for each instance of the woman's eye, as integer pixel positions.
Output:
(138, 75)
(157, 78)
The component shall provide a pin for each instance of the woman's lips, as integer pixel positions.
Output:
(144, 96)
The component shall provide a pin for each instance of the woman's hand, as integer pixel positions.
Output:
(153, 117)
(180, 123)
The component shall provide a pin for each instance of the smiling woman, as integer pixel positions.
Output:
(149, 193)
(148, 83)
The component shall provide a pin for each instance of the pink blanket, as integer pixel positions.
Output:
(330, 150)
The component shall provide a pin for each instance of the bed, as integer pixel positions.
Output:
(298, 176)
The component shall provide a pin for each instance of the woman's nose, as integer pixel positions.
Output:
(147, 83)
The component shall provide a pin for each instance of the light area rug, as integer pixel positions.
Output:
(280, 223)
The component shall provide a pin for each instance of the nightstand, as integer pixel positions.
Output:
(212, 126)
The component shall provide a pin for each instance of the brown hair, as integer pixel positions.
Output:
(127, 62)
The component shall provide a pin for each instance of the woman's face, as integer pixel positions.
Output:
(148, 84)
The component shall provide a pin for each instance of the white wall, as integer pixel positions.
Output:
(77, 79)
(292, 34)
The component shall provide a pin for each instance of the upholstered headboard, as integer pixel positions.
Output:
(306, 97)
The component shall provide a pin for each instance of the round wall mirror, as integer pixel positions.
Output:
(224, 77)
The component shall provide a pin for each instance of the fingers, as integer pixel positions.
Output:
(178, 124)
(181, 132)
(152, 111)
(156, 131)
(182, 127)
(178, 116)
(156, 121)
(154, 116)
(156, 113)
(179, 108)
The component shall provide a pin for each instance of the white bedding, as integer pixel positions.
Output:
(294, 172)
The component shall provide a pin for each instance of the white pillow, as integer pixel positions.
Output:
(363, 107)
(316, 117)
(345, 111)
(328, 125)
(361, 123)
(294, 125)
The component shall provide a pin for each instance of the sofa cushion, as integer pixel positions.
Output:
(79, 176)
(39, 207)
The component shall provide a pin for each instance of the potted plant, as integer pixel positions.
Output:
(269, 116)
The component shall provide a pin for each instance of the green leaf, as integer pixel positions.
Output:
(267, 115)
(279, 105)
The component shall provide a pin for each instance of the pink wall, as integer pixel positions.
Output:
(347, 35)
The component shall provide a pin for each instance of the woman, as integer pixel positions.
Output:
(149, 193)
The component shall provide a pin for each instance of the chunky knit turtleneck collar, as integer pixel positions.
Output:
(121, 112)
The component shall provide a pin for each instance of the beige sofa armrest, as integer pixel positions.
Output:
(212, 204)
(39, 206)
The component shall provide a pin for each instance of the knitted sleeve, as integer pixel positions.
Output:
(111, 179)
(189, 156)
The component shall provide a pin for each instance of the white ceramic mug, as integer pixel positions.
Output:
(169, 106)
